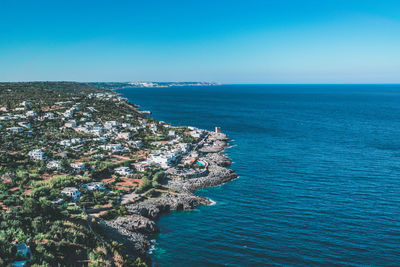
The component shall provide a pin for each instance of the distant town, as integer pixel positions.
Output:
(76, 162)
(120, 85)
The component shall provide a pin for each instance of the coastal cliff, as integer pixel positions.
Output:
(135, 229)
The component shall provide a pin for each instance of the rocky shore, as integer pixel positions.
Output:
(135, 229)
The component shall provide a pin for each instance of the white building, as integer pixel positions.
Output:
(196, 133)
(113, 147)
(4, 118)
(153, 128)
(25, 125)
(68, 114)
(163, 159)
(94, 186)
(25, 104)
(141, 166)
(123, 171)
(171, 133)
(15, 129)
(90, 123)
(82, 128)
(49, 116)
(72, 192)
(110, 124)
(125, 136)
(54, 164)
(78, 166)
(136, 144)
(31, 113)
(97, 131)
(126, 125)
(36, 154)
(100, 139)
(65, 143)
(70, 124)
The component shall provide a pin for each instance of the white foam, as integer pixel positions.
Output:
(213, 203)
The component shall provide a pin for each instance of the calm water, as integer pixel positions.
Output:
(319, 174)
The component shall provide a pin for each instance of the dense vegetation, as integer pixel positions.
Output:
(58, 235)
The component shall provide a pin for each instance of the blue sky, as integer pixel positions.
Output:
(229, 41)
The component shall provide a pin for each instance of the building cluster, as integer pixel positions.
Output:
(92, 135)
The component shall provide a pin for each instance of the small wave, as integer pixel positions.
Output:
(213, 203)
(228, 147)
(152, 247)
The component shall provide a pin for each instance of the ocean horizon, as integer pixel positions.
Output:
(318, 170)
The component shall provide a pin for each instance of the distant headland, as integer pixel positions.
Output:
(121, 85)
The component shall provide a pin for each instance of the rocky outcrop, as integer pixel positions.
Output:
(136, 223)
(217, 176)
(134, 242)
(218, 159)
(134, 229)
(152, 208)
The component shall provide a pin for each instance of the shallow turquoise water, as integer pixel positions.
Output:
(319, 176)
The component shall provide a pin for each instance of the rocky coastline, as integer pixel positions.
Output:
(135, 230)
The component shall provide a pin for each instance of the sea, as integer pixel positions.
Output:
(319, 176)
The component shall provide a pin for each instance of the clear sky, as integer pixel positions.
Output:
(229, 41)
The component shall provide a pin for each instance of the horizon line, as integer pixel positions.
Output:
(219, 83)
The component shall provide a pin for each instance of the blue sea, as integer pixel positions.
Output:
(319, 169)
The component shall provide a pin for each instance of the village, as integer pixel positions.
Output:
(81, 157)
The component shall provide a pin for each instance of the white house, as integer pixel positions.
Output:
(25, 125)
(136, 144)
(124, 171)
(196, 133)
(125, 136)
(90, 123)
(54, 164)
(75, 141)
(4, 118)
(31, 113)
(113, 147)
(171, 133)
(97, 131)
(126, 125)
(36, 154)
(72, 192)
(70, 124)
(25, 104)
(65, 143)
(141, 166)
(153, 128)
(49, 116)
(164, 159)
(78, 166)
(94, 186)
(68, 114)
(110, 124)
(82, 128)
(15, 129)
(100, 139)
